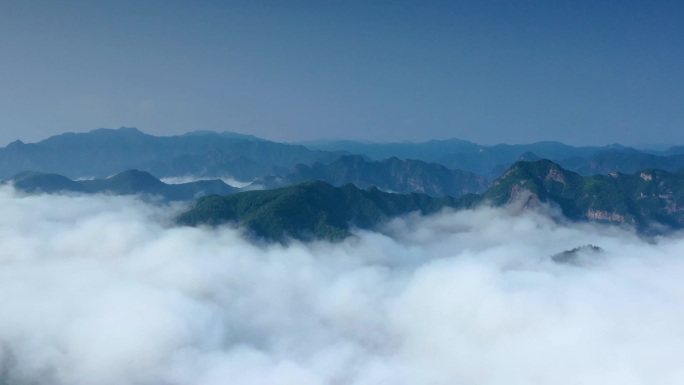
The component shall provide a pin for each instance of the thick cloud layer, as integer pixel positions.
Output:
(104, 290)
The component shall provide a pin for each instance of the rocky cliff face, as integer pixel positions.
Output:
(603, 215)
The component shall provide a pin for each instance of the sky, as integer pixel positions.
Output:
(581, 72)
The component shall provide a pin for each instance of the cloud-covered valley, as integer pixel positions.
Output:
(106, 290)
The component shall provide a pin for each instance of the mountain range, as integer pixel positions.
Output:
(103, 152)
(326, 190)
(207, 154)
(651, 201)
(491, 161)
(392, 175)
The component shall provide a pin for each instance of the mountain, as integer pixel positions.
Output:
(626, 161)
(311, 210)
(578, 256)
(429, 151)
(131, 182)
(459, 154)
(34, 182)
(393, 174)
(103, 152)
(491, 161)
(674, 150)
(227, 134)
(652, 201)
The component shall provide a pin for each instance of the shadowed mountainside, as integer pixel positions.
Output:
(393, 174)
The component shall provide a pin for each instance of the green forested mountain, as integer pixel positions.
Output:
(131, 182)
(649, 199)
(312, 210)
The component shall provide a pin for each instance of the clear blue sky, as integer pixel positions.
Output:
(582, 72)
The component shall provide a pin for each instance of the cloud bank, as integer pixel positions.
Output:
(105, 290)
(188, 179)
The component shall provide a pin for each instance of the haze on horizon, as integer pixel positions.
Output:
(580, 72)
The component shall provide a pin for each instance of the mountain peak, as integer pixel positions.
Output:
(129, 129)
(135, 175)
(120, 130)
(528, 169)
(529, 156)
(16, 144)
(541, 178)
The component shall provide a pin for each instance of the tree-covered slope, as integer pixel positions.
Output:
(644, 199)
(311, 210)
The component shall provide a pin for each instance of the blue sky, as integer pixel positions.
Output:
(582, 72)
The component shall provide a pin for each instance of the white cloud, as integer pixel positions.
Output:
(187, 179)
(104, 290)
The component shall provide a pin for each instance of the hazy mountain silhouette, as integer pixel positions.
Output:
(130, 182)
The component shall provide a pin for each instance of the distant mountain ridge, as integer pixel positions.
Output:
(437, 167)
(491, 161)
(104, 152)
(393, 175)
(130, 182)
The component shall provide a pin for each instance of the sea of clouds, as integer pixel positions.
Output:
(106, 290)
